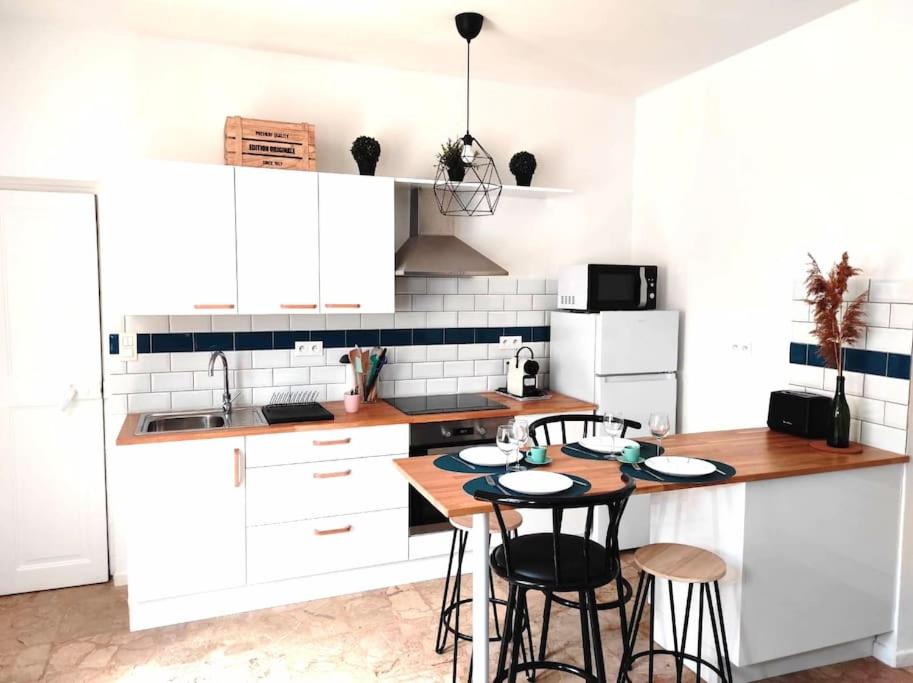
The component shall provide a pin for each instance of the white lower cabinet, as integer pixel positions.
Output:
(317, 546)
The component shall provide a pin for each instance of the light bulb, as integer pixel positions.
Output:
(468, 155)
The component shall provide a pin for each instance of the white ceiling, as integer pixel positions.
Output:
(610, 46)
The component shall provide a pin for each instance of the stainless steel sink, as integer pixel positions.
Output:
(198, 420)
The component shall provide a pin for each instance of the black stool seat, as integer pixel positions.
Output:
(584, 563)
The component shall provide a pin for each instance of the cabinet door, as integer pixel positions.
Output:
(180, 243)
(278, 244)
(356, 244)
(187, 527)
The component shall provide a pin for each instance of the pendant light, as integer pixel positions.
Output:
(475, 187)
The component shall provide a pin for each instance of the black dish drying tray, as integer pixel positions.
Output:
(287, 407)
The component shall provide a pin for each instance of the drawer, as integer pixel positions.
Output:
(285, 551)
(327, 444)
(288, 493)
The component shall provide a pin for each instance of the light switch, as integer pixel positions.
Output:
(127, 346)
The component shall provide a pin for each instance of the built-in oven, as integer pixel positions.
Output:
(605, 287)
(433, 438)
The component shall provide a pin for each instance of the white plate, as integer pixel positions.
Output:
(535, 482)
(603, 444)
(678, 466)
(488, 456)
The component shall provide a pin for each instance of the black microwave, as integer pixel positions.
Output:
(604, 287)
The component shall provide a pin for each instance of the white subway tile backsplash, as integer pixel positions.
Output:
(877, 315)
(489, 302)
(335, 392)
(377, 321)
(495, 351)
(855, 286)
(149, 362)
(272, 358)
(895, 415)
(291, 376)
(551, 286)
(384, 389)
(411, 285)
(441, 319)
(472, 384)
(806, 375)
(459, 302)
(239, 397)
(261, 396)
(887, 438)
(246, 379)
(458, 368)
(531, 287)
(545, 302)
(409, 387)
(502, 285)
(329, 374)
(343, 321)
(443, 352)
(409, 320)
(889, 339)
(146, 323)
(190, 323)
(202, 380)
(887, 389)
(428, 370)
(311, 361)
(472, 319)
(497, 382)
(428, 302)
(866, 409)
(442, 285)
(490, 367)
(799, 289)
(267, 323)
(443, 385)
(409, 354)
(473, 285)
(800, 312)
(188, 361)
(892, 291)
(502, 319)
(802, 333)
(231, 323)
(144, 403)
(396, 371)
(472, 351)
(312, 321)
(191, 400)
(902, 315)
(519, 302)
(237, 360)
(531, 318)
(402, 302)
(172, 381)
(127, 384)
(853, 381)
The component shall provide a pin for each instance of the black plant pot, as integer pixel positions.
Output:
(524, 179)
(456, 173)
(839, 434)
(366, 166)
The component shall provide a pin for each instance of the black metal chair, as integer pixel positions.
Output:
(539, 428)
(555, 562)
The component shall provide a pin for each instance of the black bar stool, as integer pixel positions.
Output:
(677, 563)
(450, 604)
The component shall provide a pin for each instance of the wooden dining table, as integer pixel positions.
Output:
(756, 454)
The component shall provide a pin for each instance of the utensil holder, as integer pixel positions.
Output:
(351, 402)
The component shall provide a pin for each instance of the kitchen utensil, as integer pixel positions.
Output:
(680, 466)
(491, 481)
(351, 402)
(536, 482)
(463, 462)
(640, 469)
(487, 456)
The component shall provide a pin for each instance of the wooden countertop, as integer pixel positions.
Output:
(757, 454)
(370, 414)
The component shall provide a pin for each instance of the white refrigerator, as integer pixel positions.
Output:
(624, 361)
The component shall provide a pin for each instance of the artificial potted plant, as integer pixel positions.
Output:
(366, 152)
(837, 324)
(523, 165)
(451, 156)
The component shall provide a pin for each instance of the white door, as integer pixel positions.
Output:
(278, 243)
(356, 244)
(177, 232)
(637, 396)
(186, 532)
(636, 342)
(53, 529)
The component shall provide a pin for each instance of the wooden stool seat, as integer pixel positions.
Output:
(512, 520)
(677, 562)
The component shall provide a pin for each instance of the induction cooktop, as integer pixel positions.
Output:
(444, 403)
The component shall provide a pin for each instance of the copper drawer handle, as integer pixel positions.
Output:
(298, 306)
(342, 305)
(213, 307)
(237, 467)
(330, 475)
(334, 442)
(329, 532)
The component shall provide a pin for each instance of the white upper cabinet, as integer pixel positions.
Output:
(179, 240)
(356, 244)
(278, 241)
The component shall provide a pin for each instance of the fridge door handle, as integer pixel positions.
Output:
(71, 394)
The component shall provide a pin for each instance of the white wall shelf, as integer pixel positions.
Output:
(508, 190)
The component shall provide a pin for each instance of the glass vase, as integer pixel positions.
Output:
(839, 434)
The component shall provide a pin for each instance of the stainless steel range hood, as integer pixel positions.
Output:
(439, 255)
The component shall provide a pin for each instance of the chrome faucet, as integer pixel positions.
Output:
(226, 394)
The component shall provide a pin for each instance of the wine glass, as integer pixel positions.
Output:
(519, 435)
(659, 427)
(613, 422)
(504, 440)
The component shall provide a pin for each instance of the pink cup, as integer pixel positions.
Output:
(351, 402)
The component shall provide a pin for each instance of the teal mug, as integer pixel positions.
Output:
(630, 453)
(537, 454)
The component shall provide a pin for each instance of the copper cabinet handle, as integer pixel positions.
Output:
(334, 442)
(330, 475)
(342, 305)
(298, 306)
(328, 532)
(237, 467)
(214, 307)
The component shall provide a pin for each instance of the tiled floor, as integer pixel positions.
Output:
(80, 634)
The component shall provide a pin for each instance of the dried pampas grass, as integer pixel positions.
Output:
(837, 323)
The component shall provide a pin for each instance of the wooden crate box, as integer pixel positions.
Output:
(270, 144)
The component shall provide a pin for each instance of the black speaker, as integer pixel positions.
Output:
(799, 413)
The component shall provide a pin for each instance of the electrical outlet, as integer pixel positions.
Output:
(510, 342)
(126, 346)
(308, 348)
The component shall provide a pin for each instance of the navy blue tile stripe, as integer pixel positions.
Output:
(895, 365)
(285, 339)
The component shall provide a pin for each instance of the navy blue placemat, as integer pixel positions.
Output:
(580, 487)
(575, 450)
(645, 473)
(451, 463)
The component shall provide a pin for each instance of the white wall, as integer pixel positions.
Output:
(801, 144)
